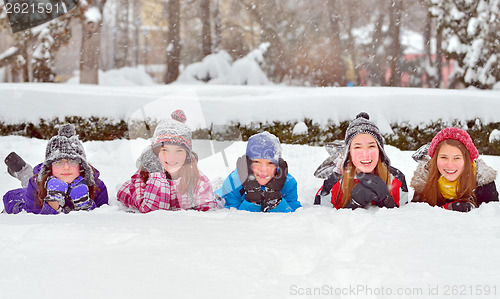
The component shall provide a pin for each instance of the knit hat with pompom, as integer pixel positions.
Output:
(457, 134)
(362, 125)
(66, 145)
(173, 131)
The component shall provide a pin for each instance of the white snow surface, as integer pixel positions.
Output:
(412, 252)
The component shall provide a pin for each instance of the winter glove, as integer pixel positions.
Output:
(370, 188)
(460, 206)
(79, 194)
(375, 183)
(56, 190)
(360, 197)
(328, 184)
(272, 190)
(149, 161)
(18, 168)
(248, 180)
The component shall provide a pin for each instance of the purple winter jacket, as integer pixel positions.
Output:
(21, 199)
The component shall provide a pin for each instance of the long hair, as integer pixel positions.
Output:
(189, 174)
(42, 190)
(349, 174)
(466, 180)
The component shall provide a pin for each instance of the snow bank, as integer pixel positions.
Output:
(220, 105)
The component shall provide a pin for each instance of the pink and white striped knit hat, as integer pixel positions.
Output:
(173, 131)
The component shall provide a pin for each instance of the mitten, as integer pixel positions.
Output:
(56, 190)
(149, 161)
(272, 190)
(79, 194)
(378, 187)
(248, 180)
(361, 196)
(279, 179)
(460, 206)
(18, 168)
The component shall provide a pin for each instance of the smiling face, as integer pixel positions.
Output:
(66, 170)
(172, 158)
(264, 170)
(450, 162)
(364, 152)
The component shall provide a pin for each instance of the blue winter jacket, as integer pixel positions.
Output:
(21, 199)
(234, 195)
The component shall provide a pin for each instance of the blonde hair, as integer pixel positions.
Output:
(189, 174)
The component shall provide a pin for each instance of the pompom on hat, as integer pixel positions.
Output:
(66, 145)
(173, 131)
(362, 125)
(457, 134)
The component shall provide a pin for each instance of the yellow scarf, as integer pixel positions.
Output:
(449, 189)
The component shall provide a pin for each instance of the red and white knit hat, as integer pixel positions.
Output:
(173, 131)
(457, 134)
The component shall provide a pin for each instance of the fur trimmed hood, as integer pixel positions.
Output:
(484, 175)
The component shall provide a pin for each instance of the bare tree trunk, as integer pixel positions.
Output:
(218, 25)
(351, 44)
(136, 6)
(379, 63)
(395, 24)
(206, 38)
(91, 45)
(122, 34)
(336, 43)
(174, 41)
(429, 64)
(439, 57)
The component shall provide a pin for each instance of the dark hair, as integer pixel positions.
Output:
(42, 190)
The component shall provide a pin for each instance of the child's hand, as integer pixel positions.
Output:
(278, 181)
(56, 191)
(149, 161)
(80, 197)
(461, 206)
(371, 187)
(248, 179)
(272, 194)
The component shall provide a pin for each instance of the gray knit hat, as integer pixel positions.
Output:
(66, 145)
(362, 124)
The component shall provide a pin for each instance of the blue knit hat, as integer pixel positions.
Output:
(264, 146)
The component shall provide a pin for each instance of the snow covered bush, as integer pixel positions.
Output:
(217, 69)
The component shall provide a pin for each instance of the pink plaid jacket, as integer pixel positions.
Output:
(159, 193)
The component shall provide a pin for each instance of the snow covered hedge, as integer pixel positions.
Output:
(406, 136)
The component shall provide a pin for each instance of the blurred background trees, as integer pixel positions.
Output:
(418, 43)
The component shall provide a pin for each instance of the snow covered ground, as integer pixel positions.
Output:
(412, 252)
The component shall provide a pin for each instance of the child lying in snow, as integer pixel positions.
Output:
(168, 177)
(64, 182)
(365, 176)
(451, 175)
(261, 181)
